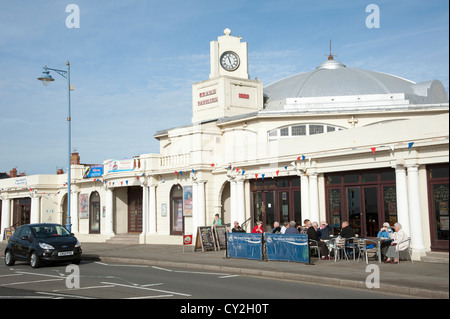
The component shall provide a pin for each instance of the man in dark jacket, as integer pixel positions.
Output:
(347, 231)
(312, 234)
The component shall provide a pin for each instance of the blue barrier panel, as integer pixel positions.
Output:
(287, 247)
(243, 245)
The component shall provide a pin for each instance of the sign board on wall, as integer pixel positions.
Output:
(187, 201)
(93, 171)
(124, 165)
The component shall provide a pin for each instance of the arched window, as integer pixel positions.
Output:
(301, 130)
(94, 213)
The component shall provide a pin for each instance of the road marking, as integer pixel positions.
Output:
(150, 297)
(100, 263)
(84, 288)
(121, 265)
(145, 288)
(62, 295)
(202, 273)
(159, 268)
(228, 276)
(150, 285)
(30, 282)
(11, 275)
(38, 274)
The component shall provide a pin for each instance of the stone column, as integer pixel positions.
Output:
(313, 198)
(233, 201)
(201, 217)
(304, 191)
(402, 198)
(35, 210)
(6, 216)
(152, 210)
(109, 229)
(145, 210)
(74, 213)
(240, 204)
(195, 219)
(415, 214)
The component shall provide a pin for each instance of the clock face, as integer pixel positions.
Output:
(229, 61)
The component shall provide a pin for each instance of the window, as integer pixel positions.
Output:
(301, 130)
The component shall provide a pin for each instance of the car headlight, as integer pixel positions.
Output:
(77, 244)
(46, 246)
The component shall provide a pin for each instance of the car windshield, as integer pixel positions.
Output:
(43, 231)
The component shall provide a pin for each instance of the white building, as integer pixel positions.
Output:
(337, 143)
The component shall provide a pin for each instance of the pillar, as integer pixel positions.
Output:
(233, 201)
(35, 210)
(402, 198)
(313, 198)
(6, 216)
(240, 202)
(195, 219)
(152, 209)
(74, 213)
(145, 210)
(304, 192)
(201, 217)
(108, 229)
(415, 215)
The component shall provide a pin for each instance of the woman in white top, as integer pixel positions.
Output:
(399, 243)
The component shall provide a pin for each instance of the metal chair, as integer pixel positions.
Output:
(361, 245)
(314, 245)
(407, 251)
(338, 247)
(350, 243)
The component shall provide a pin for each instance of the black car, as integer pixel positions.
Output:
(41, 243)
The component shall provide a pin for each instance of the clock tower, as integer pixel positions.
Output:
(229, 90)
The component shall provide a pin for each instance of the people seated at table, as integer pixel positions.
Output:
(258, 228)
(347, 231)
(312, 235)
(291, 229)
(237, 228)
(276, 228)
(385, 231)
(399, 243)
(324, 230)
(284, 227)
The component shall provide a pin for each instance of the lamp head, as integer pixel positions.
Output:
(46, 78)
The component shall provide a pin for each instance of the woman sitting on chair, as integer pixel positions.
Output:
(399, 243)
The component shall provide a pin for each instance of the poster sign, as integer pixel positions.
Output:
(124, 165)
(187, 240)
(220, 233)
(83, 206)
(187, 201)
(205, 238)
(288, 247)
(243, 245)
(93, 171)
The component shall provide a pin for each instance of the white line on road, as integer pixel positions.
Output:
(30, 282)
(159, 268)
(62, 295)
(150, 297)
(145, 288)
(228, 276)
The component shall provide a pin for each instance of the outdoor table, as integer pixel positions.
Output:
(378, 241)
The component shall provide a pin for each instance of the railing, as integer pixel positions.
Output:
(178, 160)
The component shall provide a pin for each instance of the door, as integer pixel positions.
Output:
(439, 216)
(370, 212)
(177, 219)
(134, 209)
(354, 208)
(94, 214)
(264, 209)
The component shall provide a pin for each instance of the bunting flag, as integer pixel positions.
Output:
(237, 170)
(193, 171)
(373, 149)
(212, 165)
(262, 175)
(278, 172)
(410, 145)
(285, 167)
(243, 172)
(256, 176)
(176, 173)
(181, 173)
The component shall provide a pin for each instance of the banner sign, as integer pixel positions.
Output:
(124, 165)
(288, 247)
(243, 245)
(93, 171)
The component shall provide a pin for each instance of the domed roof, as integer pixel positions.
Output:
(333, 78)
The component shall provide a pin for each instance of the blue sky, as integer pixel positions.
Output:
(133, 63)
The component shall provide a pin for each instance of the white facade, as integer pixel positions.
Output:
(282, 152)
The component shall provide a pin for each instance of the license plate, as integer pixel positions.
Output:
(65, 253)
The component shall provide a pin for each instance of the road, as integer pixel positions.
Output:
(124, 281)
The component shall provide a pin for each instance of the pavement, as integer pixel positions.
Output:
(418, 279)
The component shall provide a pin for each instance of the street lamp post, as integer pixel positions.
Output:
(46, 79)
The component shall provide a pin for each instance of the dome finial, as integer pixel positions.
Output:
(330, 57)
(227, 32)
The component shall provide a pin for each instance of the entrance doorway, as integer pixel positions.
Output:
(276, 200)
(176, 210)
(438, 195)
(365, 199)
(134, 209)
(21, 211)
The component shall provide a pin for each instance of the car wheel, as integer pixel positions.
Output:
(9, 259)
(35, 261)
